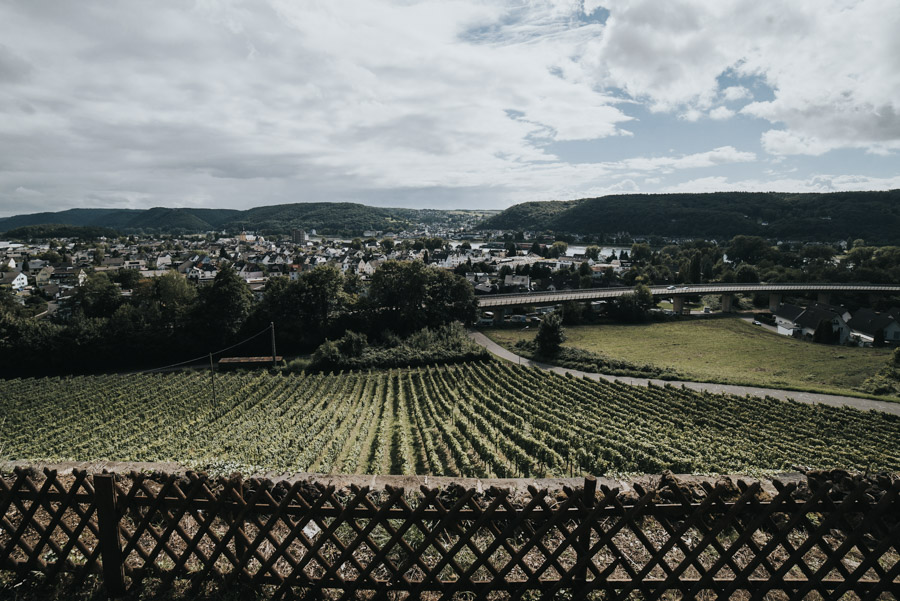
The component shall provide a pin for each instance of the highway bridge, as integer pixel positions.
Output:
(678, 294)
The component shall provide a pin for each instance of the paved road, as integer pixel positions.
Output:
(764, 326)
(803, 397)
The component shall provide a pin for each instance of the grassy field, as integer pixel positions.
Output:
(725, 350)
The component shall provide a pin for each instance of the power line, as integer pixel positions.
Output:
(202, 357)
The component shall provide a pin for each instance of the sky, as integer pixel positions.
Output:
(475, 104)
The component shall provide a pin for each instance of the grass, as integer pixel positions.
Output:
(726, 350)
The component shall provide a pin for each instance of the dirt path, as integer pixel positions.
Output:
(803, 397)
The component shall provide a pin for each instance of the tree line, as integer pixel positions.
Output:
(167, 319)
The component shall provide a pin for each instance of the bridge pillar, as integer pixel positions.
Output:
(499, 314)
(727, 303)
(678, 305)
(823, 298)
(774, 301)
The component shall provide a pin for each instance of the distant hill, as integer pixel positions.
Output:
(333, 218)
(873, 216)
(344, 218)
(55, 230)
(531, 213)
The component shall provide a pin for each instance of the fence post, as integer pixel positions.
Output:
(584, 539)
(108, 525)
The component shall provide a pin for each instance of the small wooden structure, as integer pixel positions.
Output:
(248, 362)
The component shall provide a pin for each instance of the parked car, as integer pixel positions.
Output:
(757, 323)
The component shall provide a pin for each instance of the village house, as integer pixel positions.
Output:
(69, 276)
(44, 275)
(799, 322)
(17, 280)
(867, 326)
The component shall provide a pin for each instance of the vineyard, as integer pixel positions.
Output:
(477, 419)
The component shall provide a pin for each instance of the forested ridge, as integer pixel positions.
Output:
(874, 216)
(333, 218)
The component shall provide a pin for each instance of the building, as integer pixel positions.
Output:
(17, 280)
(803, 323)
(867, 326)
(299, 237)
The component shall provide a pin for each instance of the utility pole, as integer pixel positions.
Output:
(212, 377)
(272, 326)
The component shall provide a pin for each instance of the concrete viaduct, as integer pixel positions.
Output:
(500, 303)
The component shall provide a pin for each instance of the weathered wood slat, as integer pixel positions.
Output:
(832, 538)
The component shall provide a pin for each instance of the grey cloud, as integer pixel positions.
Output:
(13, 68)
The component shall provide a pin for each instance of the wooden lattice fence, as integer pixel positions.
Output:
(832, 535)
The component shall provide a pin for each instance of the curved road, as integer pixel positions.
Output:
(803, 397)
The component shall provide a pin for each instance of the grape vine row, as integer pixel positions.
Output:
(484, 419)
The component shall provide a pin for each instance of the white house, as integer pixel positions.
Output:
(15, 280)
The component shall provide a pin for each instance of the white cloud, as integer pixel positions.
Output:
(815, 183)
(721, 113)
(782, 142)
(23, 191)
(735, 93)
(833, 66)
(450, 102)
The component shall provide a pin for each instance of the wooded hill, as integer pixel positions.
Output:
(333, 218)
(873, 216)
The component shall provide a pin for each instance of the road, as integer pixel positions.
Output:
(802, 397)
(762, 325)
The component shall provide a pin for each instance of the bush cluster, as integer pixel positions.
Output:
(428, 346)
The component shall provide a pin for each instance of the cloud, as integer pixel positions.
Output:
(814, 183)
(735, 93)
(424, 102)
(23, 191)
(832, 66)
(721, 113)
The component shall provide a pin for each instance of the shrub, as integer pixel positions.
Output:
(428, 346)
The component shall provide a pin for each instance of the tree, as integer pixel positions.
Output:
(126, 278)
(550, 335)
(748, 249)
(558, 249)
(635, 306)
(98, 296)
(746, 274)
(695, 274)
(825, 333)
(818, 252)
(572, 313)
(223, 306)
(641, 253)
(165, 300)
(303, 309)
(421, 296)
(592, 252)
